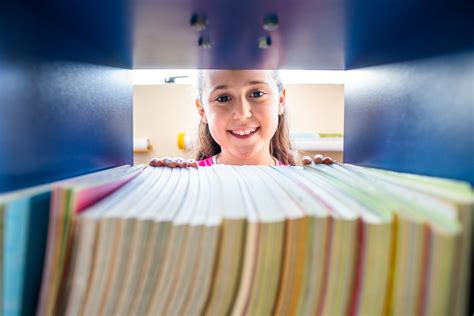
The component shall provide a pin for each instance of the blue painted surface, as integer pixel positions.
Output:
(60, 120)
(65, 31)
(105, 24)
(310, 34)
(157, 34)
(63, 111)
(408, 92)
(316, 34)
(390, 31)
(413, 116)
(67, 40)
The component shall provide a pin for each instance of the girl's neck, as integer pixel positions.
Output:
(260, 159)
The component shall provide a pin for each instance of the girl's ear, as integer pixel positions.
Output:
(282, 102)
(201, 111)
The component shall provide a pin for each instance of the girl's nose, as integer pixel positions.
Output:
(243, 111)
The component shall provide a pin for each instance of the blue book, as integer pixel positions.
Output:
(2, 210)
(25, 229)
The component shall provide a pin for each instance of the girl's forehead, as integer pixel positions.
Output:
(233, 78)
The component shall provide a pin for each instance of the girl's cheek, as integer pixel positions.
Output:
(216, 113)
(269, 110)
(216, 121)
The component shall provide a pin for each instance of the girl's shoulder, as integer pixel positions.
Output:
(279, 163)
(206, 162)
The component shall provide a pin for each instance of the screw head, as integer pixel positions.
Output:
(204, 42)
(270, 22)
(264, 42)
(198, 22)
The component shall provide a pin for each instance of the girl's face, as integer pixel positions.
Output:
(241, 108)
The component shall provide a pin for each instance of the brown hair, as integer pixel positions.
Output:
(280, 146)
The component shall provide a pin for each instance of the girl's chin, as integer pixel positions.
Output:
(248, 152)
(244, 145)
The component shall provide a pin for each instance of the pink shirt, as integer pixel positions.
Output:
(212, 161)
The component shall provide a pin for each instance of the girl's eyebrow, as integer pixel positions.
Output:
(253, 82)
(220, 87)
(250, 83)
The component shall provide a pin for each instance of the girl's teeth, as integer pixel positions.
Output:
(246, 132)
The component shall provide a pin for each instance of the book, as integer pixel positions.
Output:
(68, 198)
(256, 240)
(24, 220)
(24, 224)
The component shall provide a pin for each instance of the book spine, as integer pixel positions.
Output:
(14, 249)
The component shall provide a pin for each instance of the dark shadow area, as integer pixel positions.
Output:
(35, 249)
(390, 31)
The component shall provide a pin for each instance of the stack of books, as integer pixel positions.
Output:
(254, 240)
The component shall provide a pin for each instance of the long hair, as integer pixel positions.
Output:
(280, 146)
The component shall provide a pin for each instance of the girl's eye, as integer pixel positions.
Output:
(257, 94)
(223, 98)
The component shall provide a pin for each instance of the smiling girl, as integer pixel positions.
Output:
(243, 121)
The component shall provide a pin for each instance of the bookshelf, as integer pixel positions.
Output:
(66, 100)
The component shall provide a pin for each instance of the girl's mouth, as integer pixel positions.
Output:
(244, 133)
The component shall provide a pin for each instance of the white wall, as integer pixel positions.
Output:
(162, 111)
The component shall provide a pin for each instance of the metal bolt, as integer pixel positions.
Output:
(198, 22)
(270, 22)
(204, 42)
(264, 41)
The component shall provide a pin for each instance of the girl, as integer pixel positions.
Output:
(243, 121)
